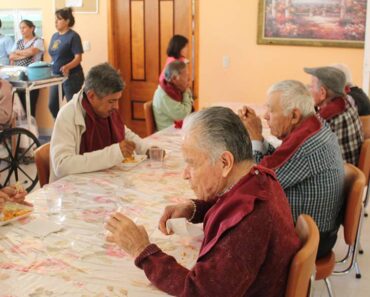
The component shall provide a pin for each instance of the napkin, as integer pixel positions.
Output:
(182, 227)
(41, 227)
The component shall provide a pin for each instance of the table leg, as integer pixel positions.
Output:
(28, 108)
(60, 95)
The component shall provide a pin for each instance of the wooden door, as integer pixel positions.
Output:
(139, 33)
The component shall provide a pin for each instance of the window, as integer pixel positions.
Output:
(11, 18)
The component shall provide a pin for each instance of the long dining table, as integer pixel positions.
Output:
(76, 260)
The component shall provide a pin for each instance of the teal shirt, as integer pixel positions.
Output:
(166, 110)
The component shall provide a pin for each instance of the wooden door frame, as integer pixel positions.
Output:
(112, 45)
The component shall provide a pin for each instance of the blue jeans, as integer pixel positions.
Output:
(70, 87)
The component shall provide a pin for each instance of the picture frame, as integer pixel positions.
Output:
(79, 6)
(332, 23)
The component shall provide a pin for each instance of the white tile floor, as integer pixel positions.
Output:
(348, 285)
(343, 286)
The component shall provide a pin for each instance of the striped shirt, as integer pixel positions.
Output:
(312, 178)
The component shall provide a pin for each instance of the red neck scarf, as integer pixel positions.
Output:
(100, 132)
(333, 108)
(259, 184)
(171, 90)
(292, 143)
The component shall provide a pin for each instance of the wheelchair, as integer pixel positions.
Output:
(17, 146)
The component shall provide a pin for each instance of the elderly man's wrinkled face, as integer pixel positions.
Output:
(182, 80)
(318, 92)
(205, 178)
(104, 107)
(280, 125)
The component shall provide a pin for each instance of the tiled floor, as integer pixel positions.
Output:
(343, 286)
(348, 285)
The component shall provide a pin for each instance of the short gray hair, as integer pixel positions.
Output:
(347, 72)
(104, 80)
(219, 129)
(173, 69)
(294, 94)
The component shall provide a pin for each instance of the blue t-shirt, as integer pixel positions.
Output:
(63, 49)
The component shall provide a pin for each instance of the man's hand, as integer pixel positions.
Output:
(251, 122)
(16, 194)
(131, 238)
(182, 210)
(127, 148)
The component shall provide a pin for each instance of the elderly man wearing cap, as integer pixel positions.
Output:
(327, 89)
(308, 163)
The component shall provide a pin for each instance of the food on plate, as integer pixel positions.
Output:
(129, 159)
(13, 210)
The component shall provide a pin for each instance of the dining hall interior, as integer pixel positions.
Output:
(102, 193)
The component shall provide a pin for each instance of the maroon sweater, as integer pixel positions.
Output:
(249, 256)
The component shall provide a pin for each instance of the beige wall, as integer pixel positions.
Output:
(230, 28)
(227, 28)
(91, 27)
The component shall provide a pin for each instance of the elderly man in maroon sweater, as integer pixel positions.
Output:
(249, 237)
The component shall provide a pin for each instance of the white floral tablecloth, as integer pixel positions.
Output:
(77, 261)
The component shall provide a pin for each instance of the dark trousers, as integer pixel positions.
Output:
(34, 95)
(327, 242)
(70, 87)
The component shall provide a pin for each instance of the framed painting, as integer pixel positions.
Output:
(335, 23)
(79, 6)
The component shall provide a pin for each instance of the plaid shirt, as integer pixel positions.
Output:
(348, 128)
(312, 178)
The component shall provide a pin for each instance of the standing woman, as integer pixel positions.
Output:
(28, 49)
(66, 52)
(6, 44)
(176, 51)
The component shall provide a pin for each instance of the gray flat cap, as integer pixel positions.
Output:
(333, 78)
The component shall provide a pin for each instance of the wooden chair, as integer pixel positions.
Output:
(302, 268)
(353, 211)
(365, 120)
(364, 165)
(42, 160)
(149, 118)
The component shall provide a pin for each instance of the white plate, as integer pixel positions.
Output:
(18, 207)
(137, 161)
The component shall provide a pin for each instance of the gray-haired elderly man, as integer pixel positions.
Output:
(249, 238)
(172, 100)
(88, 134)
(327, 89)
(308, 163)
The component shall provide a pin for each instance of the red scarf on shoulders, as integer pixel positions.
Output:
(259, 184)
(100, 132)
(333, 108)
(292, 143)
(170, 89)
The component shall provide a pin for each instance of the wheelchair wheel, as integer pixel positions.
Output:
(17, 152)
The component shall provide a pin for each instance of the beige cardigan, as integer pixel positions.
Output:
(65, 144)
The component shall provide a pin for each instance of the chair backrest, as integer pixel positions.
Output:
(149, 118)
(364, 160)
(303, 263)
(42, 160)
(365, 120)
(354, 185)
